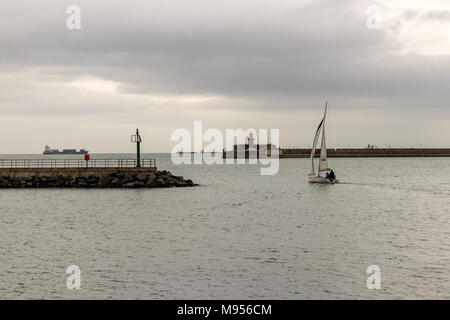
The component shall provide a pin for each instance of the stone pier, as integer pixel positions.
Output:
(127, 177)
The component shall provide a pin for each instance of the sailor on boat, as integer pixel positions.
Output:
(330, 175)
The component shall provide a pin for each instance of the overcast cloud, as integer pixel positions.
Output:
(160, 65)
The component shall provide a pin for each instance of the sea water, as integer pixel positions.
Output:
(238, 235)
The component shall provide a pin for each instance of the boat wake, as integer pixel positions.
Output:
(380, 185)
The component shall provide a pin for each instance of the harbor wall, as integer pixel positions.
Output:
(368, 153)
(89, 178)
(73, 172)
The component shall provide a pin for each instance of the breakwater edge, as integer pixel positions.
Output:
(76, 173)
(94, 178)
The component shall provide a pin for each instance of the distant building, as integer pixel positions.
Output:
(251, 147)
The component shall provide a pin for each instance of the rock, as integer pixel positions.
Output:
(181, 183)
(159, 182)
(163, 173)
(125, 179)
(150, 178)
(60, 183)
(141, 178)
(171, 182)
(92, 180)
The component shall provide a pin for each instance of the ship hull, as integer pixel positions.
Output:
(61, 152)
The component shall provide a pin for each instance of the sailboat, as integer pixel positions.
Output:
(323, 160)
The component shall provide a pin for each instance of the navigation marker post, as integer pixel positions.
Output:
(87, 157)
(137, 138)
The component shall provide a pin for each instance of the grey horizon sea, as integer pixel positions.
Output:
(238, 235)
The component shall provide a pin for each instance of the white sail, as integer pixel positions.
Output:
(313, 149)
(323, 162)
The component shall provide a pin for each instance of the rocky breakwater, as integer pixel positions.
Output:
(157, 179)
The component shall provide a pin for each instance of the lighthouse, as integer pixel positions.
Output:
(251, 140)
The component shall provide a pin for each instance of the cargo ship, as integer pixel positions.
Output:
(49, 151)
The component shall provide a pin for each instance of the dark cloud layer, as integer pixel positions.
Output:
(255, 48)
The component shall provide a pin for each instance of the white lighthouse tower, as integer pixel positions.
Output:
(251, 141)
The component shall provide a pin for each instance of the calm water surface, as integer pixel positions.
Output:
(238, 235)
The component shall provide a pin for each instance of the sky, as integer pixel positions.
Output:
(270, 64)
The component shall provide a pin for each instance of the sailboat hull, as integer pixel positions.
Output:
(316, 179)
